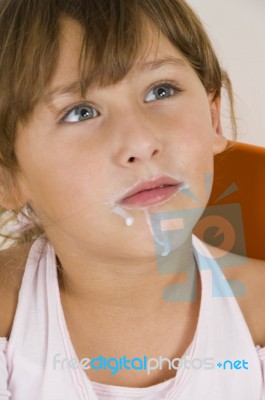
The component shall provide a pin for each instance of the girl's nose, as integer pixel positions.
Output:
(138, 140)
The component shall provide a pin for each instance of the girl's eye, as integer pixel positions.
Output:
(80, 113)
(161, 91)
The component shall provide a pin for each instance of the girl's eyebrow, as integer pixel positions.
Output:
(161, 62)
(74, 87)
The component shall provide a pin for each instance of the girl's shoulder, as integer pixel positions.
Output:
(12, 265)
(251, 273)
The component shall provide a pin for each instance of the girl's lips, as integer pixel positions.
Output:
(151, 196)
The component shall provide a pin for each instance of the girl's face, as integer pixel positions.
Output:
(75, 152)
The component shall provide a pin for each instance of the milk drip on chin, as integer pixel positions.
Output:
(129, 221)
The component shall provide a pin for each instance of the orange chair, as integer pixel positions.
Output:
(237, 202)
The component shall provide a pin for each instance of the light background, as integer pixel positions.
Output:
(237, 30)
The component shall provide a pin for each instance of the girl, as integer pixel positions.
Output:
(110, 118)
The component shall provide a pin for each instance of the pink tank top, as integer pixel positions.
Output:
(39, 332)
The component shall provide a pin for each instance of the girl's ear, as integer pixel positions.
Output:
(219, 140)
(11, 197)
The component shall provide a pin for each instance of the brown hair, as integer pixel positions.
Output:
(113, 36)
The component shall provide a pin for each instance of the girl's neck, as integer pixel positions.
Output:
(134, 287)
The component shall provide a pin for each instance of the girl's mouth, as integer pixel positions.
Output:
(149, 197)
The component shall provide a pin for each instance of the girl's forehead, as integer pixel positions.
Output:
(154, 46)
(154, 53)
